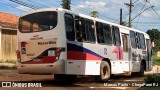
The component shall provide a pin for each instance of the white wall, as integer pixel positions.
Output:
(0, 41)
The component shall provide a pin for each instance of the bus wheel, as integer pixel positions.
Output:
(105, 72)
(141, 73)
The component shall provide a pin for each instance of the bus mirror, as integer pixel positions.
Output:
(152, 44)
(80, 23)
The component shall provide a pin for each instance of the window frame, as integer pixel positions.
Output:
(140, 42)
(73, 26)
(127, 42)
(20, 26)
(103, 32)
(83, 31)
(135, 39)
(113, 34)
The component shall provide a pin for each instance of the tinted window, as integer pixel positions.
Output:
(84, 29)
(40, 21)
(103, 33)
(141, 39)
(89, 28)
(69, 26)
(116, 36)
(80, 32)
(125, 43)
(133, 39)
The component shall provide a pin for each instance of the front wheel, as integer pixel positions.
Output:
(105, 72)
(141, 73)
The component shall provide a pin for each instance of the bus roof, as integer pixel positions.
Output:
(86, 16)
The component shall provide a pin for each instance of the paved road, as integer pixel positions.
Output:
(82, 83)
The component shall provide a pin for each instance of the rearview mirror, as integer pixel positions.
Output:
(152, 44)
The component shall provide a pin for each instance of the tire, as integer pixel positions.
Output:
(105, 72)
(141, 73)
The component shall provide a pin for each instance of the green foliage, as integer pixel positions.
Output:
(7, 67)
(124, 23)
(155, 36)
(9, 61)
(156, 60)
(94, 14)
(66, 4)
(152, 78)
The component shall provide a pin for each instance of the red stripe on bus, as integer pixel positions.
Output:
(77, 55)
(46, 59)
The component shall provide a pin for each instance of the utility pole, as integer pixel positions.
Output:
(130, 5)
(121, 16)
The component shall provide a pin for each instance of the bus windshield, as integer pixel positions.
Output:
(36, 22)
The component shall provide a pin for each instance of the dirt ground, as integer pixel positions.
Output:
(82, 83)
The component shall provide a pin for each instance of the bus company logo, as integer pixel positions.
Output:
(46, 43)
(6, 84)
(15, 84)
(36, 38)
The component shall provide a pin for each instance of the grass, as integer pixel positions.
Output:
(152, 78)
(8, 64)
(7, 67)
(156, 60)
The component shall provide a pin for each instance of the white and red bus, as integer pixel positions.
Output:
(64, 43)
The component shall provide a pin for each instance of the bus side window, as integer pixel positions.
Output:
(89, 29)
(141, 41)
(103, 33)
(116, 36)
(107, 34)
(125, 43)
(80, 26)
(69, 26)
(133, 39)
(99, 30)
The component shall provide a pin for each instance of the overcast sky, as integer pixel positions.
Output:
(108, 10)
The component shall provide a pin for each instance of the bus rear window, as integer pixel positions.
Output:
(36, 22)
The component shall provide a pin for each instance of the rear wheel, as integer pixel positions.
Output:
(105, 72)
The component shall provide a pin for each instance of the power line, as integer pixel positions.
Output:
(88, 11)
(38, 4)
(147, 22)
(12, 6)
(23, 4)
(140, 11)
(153, 8)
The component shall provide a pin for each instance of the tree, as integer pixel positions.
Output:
(155, 37)
(94, 14)
(154, 34)
(66, 4)
(124, 23)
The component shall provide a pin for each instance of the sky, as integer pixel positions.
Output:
(145, 13)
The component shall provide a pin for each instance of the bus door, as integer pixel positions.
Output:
(126, 66)
(149, 54)
(134, 52)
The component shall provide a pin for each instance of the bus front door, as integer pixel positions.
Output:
(149, 54)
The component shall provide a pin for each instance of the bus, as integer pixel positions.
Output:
(67, 44)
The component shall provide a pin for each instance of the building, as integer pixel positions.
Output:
(8, 37)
